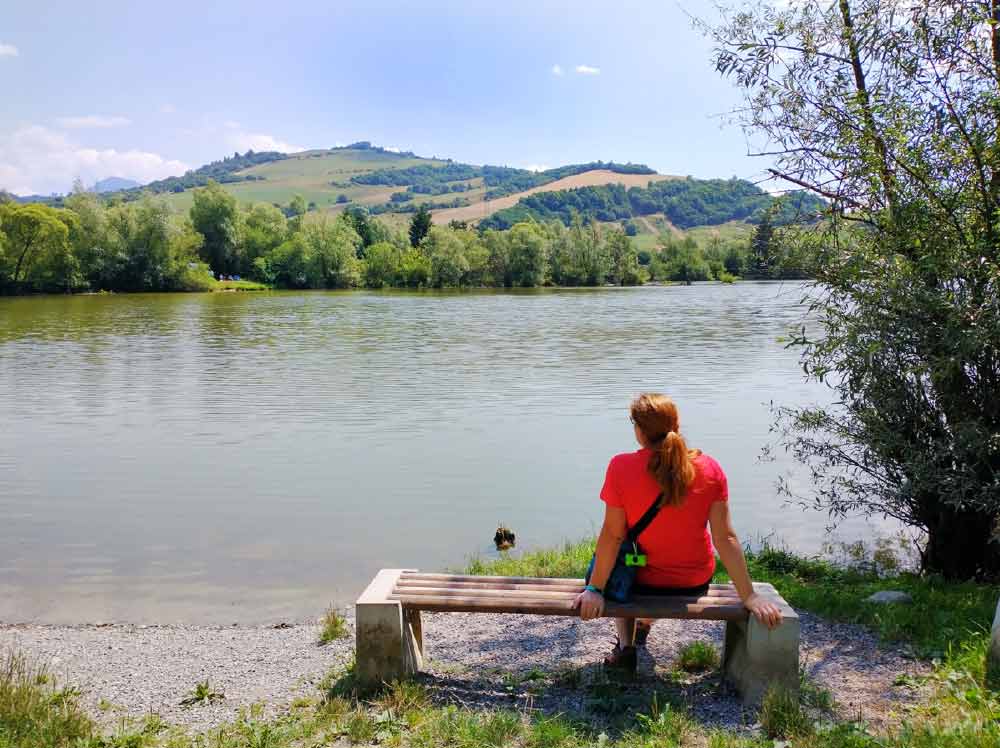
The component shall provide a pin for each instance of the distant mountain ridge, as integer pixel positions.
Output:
(114, 184)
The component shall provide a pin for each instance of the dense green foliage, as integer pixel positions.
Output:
(501, 180)
(403, 202)
(142, 246)
(426, 178)
(685, 202)
(135, 246)
(896, 119)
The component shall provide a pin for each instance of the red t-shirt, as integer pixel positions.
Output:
(677, 544)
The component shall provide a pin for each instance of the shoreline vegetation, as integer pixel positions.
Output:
(945, 626)
(91, 244)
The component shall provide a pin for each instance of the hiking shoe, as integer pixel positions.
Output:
(641, 633)
(621, 658)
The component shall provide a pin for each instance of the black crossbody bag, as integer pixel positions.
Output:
(630, 558)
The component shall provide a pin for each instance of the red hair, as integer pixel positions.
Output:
(671, 464)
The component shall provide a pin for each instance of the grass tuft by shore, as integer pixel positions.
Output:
(241, 285)
(34, 712)
(334, 627)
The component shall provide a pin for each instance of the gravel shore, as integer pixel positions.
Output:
(474, 660)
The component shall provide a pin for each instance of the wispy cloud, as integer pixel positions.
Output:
(244, 141)
(537, 167)
(92, 120)
(8, 50)
(37, 159)
(557, 70)
(587, 70)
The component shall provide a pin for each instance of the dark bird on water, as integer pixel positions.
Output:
(504, 538)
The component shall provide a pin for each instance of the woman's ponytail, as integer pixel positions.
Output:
(674, 471)
(670, 463)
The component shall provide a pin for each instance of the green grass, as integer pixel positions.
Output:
(782, 716)
(334, 627)
(34, 713)
(570, 560)
(698, 657)
(732, 230)
(202, 693)
(944, 617)
(241, 285)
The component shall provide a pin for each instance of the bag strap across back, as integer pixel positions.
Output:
(639, 527)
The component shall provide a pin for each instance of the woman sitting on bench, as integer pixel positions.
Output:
(677, 544)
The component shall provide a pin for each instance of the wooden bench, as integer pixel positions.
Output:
(390, 639)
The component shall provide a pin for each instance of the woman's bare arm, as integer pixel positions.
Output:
(731, 552)
(613, 532)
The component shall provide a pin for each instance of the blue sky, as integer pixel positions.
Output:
(144, 90)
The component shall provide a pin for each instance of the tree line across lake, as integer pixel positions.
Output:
(92, 245)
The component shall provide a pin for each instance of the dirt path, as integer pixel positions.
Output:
(593, 178)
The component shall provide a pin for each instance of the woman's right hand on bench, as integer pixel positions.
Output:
(591, 604)
(763, 610)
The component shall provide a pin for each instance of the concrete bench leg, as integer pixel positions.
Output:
(756, 658)
(389, 640)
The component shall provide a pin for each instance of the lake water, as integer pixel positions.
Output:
(256, 457)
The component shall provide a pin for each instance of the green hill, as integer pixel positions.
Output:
(394, 184)
(385, 182)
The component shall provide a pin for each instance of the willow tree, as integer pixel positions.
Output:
(890, 110)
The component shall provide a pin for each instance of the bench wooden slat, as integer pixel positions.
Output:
(431, 583)
(427, 579)
(500, 594)
(533, 595)
(639, 608)
(413, 598)
(417, 584)
(547, 581)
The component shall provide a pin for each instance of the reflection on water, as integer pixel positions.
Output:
(254, 456)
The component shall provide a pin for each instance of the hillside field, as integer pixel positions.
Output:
(319, 176)
(593, 178)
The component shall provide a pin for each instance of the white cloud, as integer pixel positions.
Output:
(244, 141)
(557, 70)
(92, 120)
(9, 50)
(36, 159)
(231, 124)
(587, 70)
(167, 109)
(537, 167)
(393, 149)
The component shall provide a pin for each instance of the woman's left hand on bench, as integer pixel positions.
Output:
(763, 610)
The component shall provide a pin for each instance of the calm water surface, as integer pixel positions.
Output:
(253, 457)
